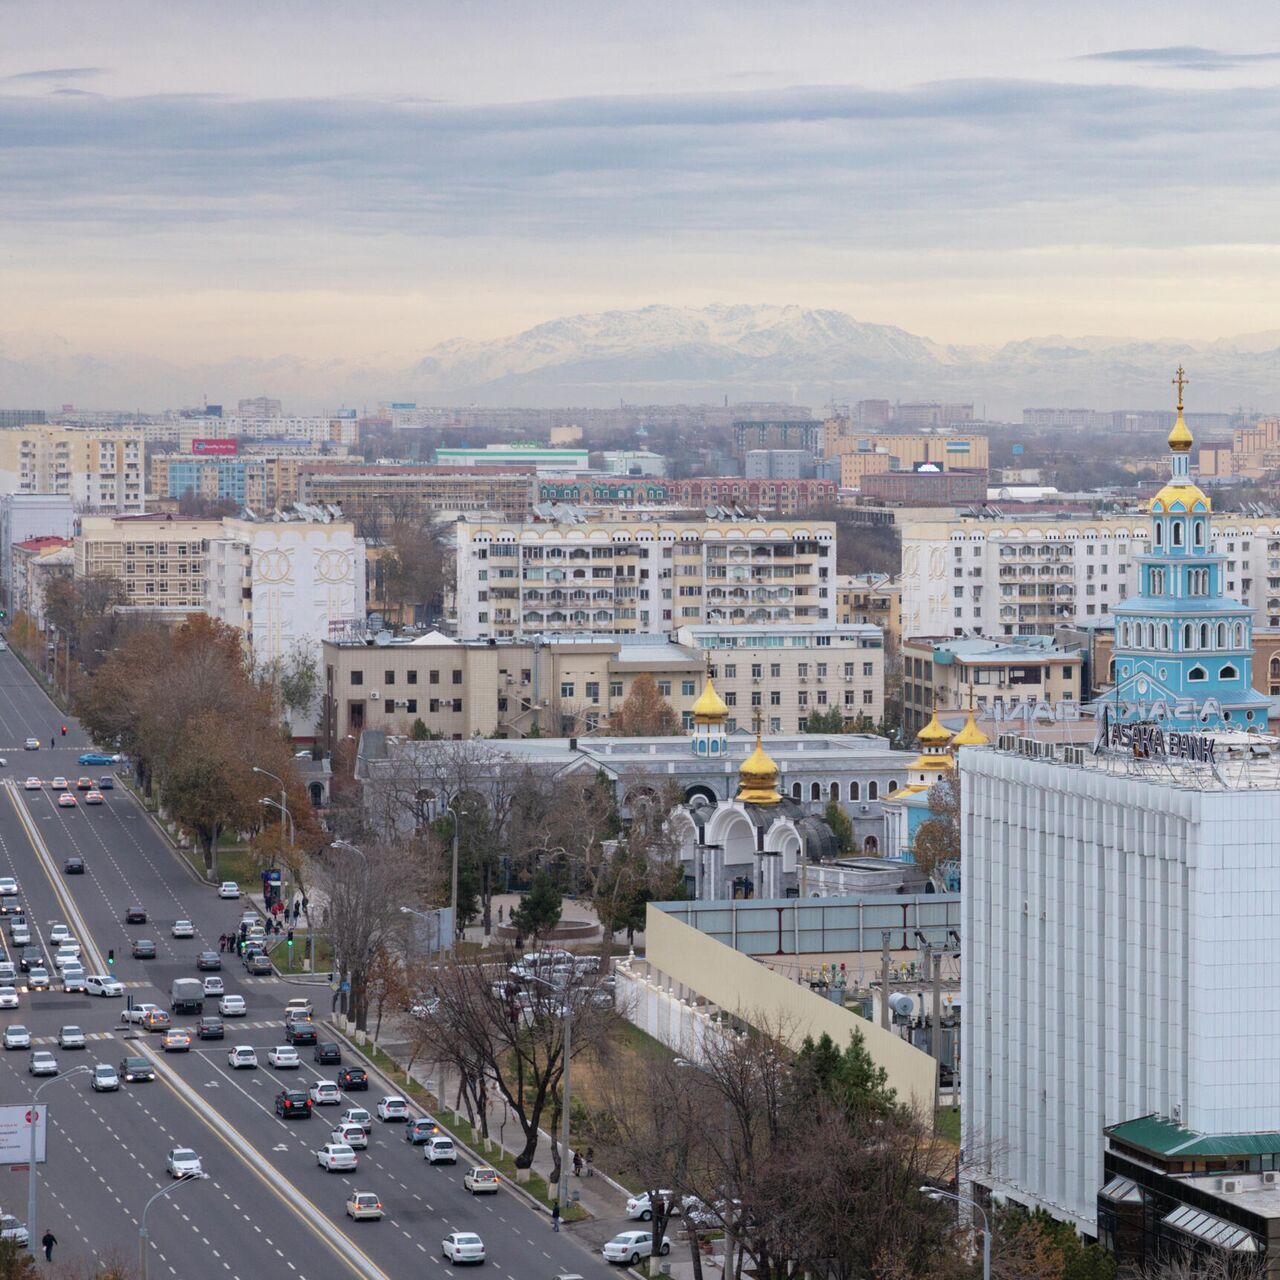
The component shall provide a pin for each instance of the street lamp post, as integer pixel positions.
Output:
(349, 848)
(283, 807)
(33, 1117)
(936, 1193)
(144, 1240)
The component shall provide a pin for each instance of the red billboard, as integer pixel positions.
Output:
(214, 448)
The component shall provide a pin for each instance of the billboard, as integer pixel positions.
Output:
(15, 1133)
(214, 448)
(927, 468)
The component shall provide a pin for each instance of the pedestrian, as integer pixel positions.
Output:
(591, 1162)
(53, 742)
(555, 1216)
(48, 1240)
(577, 1164)
(222, 942)
(304, 902)
(297, 910)
(499, 913)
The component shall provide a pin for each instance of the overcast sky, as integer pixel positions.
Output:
(362, 180)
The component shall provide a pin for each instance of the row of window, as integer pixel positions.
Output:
(833, 790)
(389, 677)
(1206, 635)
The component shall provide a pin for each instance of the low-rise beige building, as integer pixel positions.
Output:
(874, 598)
(160, 559)
(35, 563)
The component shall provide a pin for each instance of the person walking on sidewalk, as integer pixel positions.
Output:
(48, 1240)
(555, 1216)
(591, 1162)
(577, 1164)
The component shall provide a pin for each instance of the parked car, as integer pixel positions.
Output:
(228, 889)
(258, 964)
(631, 1246)
(640, 1206)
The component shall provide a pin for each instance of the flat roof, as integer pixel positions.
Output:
(1162, 1137)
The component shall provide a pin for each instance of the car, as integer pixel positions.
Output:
(59, 932)
(136, 1013)
(66, 801)
(631, 1246)
(421, 1130)
(336, 1155)
(42, 1063)
(183, 929)
(296, 1015)
(8, 972)
(8, 997)
(104, 1079)
(300, 1033)
(182, 1162)
(363, 1204)
(298, 1007)
(93, 797)
(103, 984)
(65, 956)
(58, 783)
(12, 1229)
(106, 783)
(232, 1007)
(357, 1115)
(38, 978)
(209, 1027)
(352, 1134)
(135, 915)
(324, 1093)
(155, 1019)
(84, 784)
(16, 1037)
(9, 888)
(242, 1056)
(250, 949)
(134, 1070)
(392, 1107)
(30, 958)
(228, 889)
(353, 1080)
(213, 988)
(73, 866)
(71, 1038)
(20, 935)
(293, 1104)
(176, 1040)
(480, 1180)
(18, 921)
(73, 978)
(440, 1150)
(32, 784)
(258, 964)
(326, 1052)
(463, 1246)
(209, 962)
(144, 949)
(283, 1056)
(31, 744)
(98, 757)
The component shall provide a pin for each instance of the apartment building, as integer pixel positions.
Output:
(262, 484)
(98, 470)
(792, 496)
(36, 563)
(643, 576)
(1253, 452)
(30, 515)
(905, 450)
(160, 559)
(804, 433)
(925, 487)
(389, 493)
(874, 599)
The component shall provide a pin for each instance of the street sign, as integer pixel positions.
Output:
(15, 1133)
(344, 986)
(271, 875)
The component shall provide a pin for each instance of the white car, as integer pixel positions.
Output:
(353, 1135)
(228, 889)
(242, 1055)
(357, 1115)
(32, 784)
(324, 1093)
(102, 984)
(59, 933)
(440, 1150)
(73, 978)
(104, 1079)
(59, 783)
(182, 1162)
(631, 1246)
(463, 1246)
(12, 1229)
(640, 1207)
(38, 979)
(183, 929)
(31, 744)
(336, 1155)
(16, 1037)
(65, 956)
(71, 1038)
(392, 1108)
(8, 997)
(282, 1056)
(139, 1012)
(213, 986)
(8, 886)
(232, 1007)
(20, 935)
(43, 1063)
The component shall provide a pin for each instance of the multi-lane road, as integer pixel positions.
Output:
(266, 1206)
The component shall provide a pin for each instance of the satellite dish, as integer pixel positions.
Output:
(382, 639)
(902, 1004)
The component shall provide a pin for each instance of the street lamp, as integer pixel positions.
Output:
(347, 847)
(456, 814)
(282, 806)
(433, 920)
(936, 1193)
(143, 1239)
(33, 1117)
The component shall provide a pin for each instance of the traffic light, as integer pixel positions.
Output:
(111, 955)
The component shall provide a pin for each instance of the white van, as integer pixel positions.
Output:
(441, 1151)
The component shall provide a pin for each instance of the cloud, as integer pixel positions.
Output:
(1183, 57)
(55, 73)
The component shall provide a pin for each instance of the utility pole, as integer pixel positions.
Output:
(884, 979)
(935, 1040)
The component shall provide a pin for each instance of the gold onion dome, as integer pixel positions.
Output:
(710, 707)
(758, 777)
(935, 733)
(1180, 439)
(970, 735)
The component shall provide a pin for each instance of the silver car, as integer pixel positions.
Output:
(43, 1063)
(17, 1037)
(105, 1079)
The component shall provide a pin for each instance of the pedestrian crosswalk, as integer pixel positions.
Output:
(232, 1025)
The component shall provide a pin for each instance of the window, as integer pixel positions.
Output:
(593, 690)
(1228, 672)
(731, 671)
(457, 705)
(868, 696)
(457, 676)
(802, 670)
(755, 698)
(873, 790)
(413, 677)
(388, 677)
(796, 791)
(757, 670)
(730, 699)
(775, 698)
(664, 688)
(688, 688)
(1197, 673)
(566, 688)
(868, 668)
(615, 688)
(775, 671)
(411, 706)
(855, 791)
(357, 677)
(435, 678)
(822, 670)
(815, 791)
(1177, 533)
(775, 725)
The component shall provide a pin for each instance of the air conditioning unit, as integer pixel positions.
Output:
(1231, 1186)
(374, 696)
(1271, 1178)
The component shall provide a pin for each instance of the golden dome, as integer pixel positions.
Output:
(1191, 496)
(710, 707)
(970, 735)
(934, 734)
(1180, 438)
(758, 777)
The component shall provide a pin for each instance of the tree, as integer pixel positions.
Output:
(420, 732)
(1035, 1246)
(295, 678)
(645, 713)
(836, 818)
(937, 839)
(17, 1262)
(539, 910)
(849, 1079)
(825, 721)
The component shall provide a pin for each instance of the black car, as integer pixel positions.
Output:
(327, 1052)
(209, 961)
(300, 1033)
(74, 866)
(293, 1104)
(132, 1069)
(353, 1078)
(136, 915)
(258, 964)
(144, 949)
(210, 1027)
(32, 958)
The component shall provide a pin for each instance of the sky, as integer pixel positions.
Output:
(347, 182)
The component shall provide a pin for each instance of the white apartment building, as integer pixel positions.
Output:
(1024, 577)
(30, 515)
(642, 576)
(98, 470)
(314, 430)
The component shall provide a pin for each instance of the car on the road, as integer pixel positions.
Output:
(357, 1115)
(84, 784)
(73, 866)
(631, 1246)
(93, 797)
(327, 1052)
(182, 1162)
(106, 783)
(176, 1040)
(228, 889)
(243, 1055)
(250, 949)
(258, 964)
(232, 1007)
(135, 915)
(293, 1104)
(12, 1229)
(30, 958)
(300, 1033)
(298, 1007)
(353, 1080)
(336, 1155)
(136, 1069)
(20, 935)
(283, 1056)
(209, 1027)
(138, 1012)
(64, 956)
(105, 1079)
(31, 744)
(73, 978)
(440, 1150)
(392, 1107)
(8, 997)
(183, 929)
(59, 932)
(66, 801)
(363, 1204)
(71, 1037)
(38, 978)
(353, 1135)
(208, 962)
(422, 1129)
(480, 1180)
(144, 949)
(10, 901)
(213, 988)
(16, 1037)
(463, 1246)
(32, 784)
(324, 1093)
(58, 783)
(8, 972)
(155, 1019)
(103, 984)
(98, 757)
(42, 1063)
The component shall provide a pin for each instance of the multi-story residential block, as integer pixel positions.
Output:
(786, 497)
(931, 413)
(390, 493)
(259, 407)
(778, 464)
(261, 483)
(805, 434)
(905, 451)
(338, 429)
(36, 563)
(98, 470)
(874, 598)
(160, 559)
(30, 515)
(641, 576)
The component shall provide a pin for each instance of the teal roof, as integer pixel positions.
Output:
(1164, 1138)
